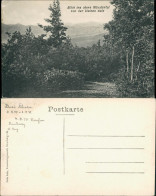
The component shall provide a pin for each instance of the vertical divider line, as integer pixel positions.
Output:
(64, 146)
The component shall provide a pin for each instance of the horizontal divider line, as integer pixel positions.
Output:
(115, 172)
(105, 136)
(114, 162)
(106, 148)
(65, 114)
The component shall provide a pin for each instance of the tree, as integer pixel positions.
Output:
(132, 32)
(132, 24)
(56, 28)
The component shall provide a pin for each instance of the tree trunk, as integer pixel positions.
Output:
(138, 66)
(137, 70)
(127, 61)
(132, 63)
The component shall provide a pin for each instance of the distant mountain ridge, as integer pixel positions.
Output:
(83, 35)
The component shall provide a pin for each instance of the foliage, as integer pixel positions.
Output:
(29, 63)
(49, 63)
(142, 85)
(131, 34)
(55, 80)
(56, 27)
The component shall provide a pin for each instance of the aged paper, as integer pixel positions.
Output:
(54, 52)
(78, 147)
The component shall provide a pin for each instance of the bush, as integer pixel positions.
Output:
(55, 80)
(142, 84)
(16, 79)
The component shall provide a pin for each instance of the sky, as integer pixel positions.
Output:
(33, 12)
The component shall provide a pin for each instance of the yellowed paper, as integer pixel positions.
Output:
(93, 50)
(78, 147)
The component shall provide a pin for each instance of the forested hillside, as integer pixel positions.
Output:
(44, 65)
(82, 35)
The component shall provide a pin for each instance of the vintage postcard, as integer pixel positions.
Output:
(78, 49)
(61, 131)
(93, 147)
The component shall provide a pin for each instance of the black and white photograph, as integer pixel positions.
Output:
(78, 99)
(77, 49)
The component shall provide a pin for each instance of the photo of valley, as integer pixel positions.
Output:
(48, 51)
